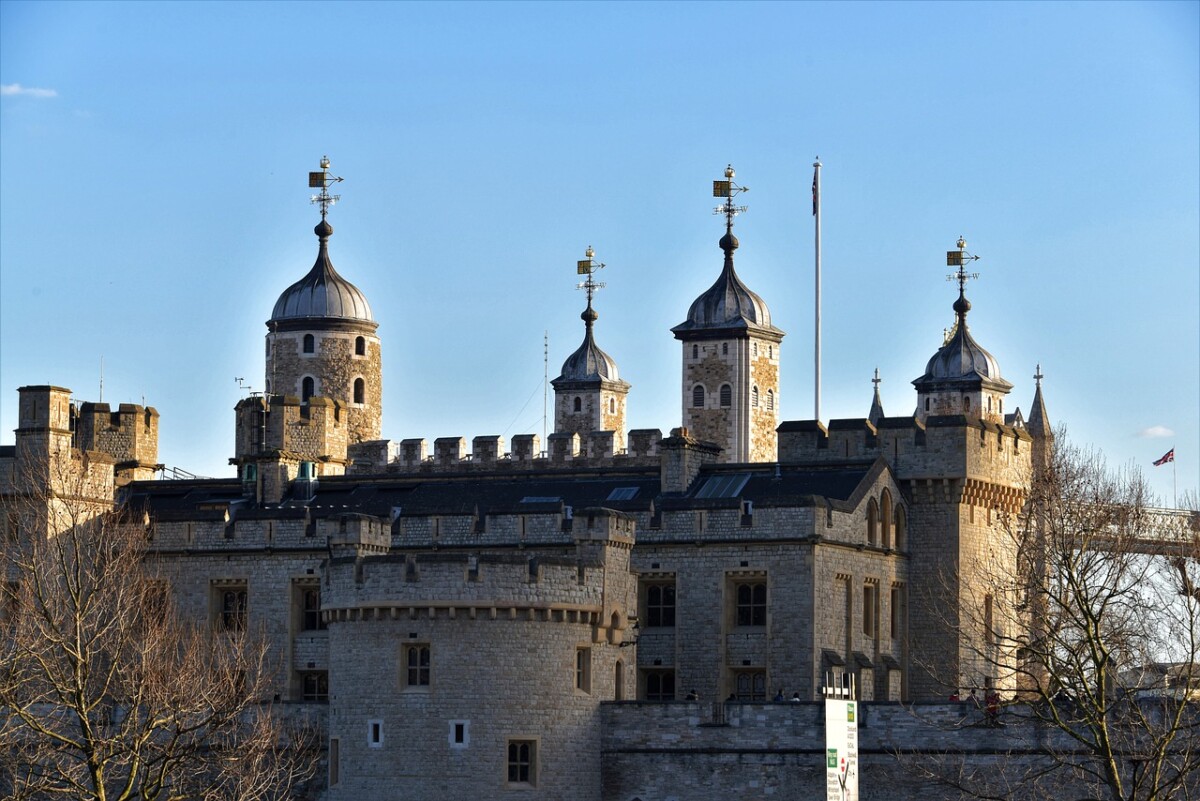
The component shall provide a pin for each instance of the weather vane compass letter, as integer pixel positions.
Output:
(588, 266)
(959, 258)
(323, 180)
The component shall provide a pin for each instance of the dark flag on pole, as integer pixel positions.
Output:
(815, 197)
(1169, 456)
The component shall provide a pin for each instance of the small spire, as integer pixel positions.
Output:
(876, 414)
(1038, 422)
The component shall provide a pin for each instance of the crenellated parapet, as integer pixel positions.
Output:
(316, 430)
(129, 435)
(945, 446)
(524, 452)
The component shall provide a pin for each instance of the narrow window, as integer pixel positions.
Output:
(335, 760)
(967, 402)
(619, 681)
(695, 351)
(360, 346)
(726, 396)
(375, 734)
(310, 343)
(308, 388)
(460, 733)
(897, 612)
(612, 405)
(416, 665)
(698, 397)
(770, 351)
(578, 404)
(756, 350)
(522, 767)
(770, 400)
(901, 530)
(724, 348)
(310, 613)
(872, 522)
(885, 519)
(583, 669)
(360, 391)
(754, 397)
(927, 404)
(870, 599)
(989, 631)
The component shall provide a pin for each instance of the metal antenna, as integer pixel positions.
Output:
(588, 267)
(323, 180)
(959, 258)
(728, 190)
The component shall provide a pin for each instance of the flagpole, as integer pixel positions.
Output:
(817, 311)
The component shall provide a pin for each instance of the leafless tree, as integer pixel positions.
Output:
(1092, 618)
(105, 692)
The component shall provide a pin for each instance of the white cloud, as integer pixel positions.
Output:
(1156, 431)
(29, 91)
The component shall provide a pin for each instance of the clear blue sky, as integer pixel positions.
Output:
(153, 199)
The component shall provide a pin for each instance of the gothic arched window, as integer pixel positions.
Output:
(872, 522)
(885, 518)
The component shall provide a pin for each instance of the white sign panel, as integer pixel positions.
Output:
(841, 749)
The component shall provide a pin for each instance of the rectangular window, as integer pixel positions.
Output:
(870, 622)
(460, 733)
(315, 686)
(583, 669)
(335, 760)
(659, 604)
(658, 685)
(751, 599)
(989, 630)
(522, 762)
(229, 606)
(309, 598)
(750, 685)
(416, 665)
(897, 613)
(375, 734)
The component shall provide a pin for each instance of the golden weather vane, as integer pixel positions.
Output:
(728, 190)
(323, 180)
(588, 266)
(959, 258)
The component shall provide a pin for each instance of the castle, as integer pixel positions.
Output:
(467, 616)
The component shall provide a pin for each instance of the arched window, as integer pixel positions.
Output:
(901, 528)
(754, 397)
(695, 351)
(360, 346)
(770, 351)
(770, 400)
(726, 396)
(698, 396)
(872, 522)
(756, 350)
(308, 388)
(724, 348)
(578, 404)
(310, 343)
(966, 403)
(885, 518)
(360, 391)
(612, 405)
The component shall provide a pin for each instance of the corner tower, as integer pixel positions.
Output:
(589, 394)
(322, 338)
(731, 357)
(962, 377)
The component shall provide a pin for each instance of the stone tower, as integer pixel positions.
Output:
(322, 341)
(589, 394)
(731, 360)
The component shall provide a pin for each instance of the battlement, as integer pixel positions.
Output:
(489, 453)
(129, 435)
(941, 446)
(316, 430)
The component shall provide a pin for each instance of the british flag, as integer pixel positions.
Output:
(1169, 456)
